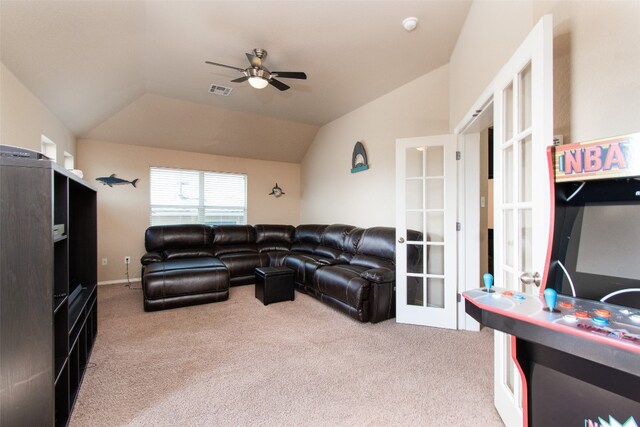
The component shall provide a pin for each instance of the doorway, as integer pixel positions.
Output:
(486, 200)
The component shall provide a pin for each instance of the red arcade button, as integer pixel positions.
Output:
(507, 293)
(602, 313)
(581, 314)
(565, 304)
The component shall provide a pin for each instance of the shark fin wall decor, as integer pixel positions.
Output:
(359, 158)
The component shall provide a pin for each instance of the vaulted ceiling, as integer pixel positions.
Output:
(134, 72)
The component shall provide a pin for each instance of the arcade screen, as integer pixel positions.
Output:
(603, 255)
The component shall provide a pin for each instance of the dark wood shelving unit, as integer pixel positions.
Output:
(48, 298)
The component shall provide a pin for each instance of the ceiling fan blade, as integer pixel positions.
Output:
(240, 79)
(226, 66)
(290, 74)
(278, 84)
(254, 60)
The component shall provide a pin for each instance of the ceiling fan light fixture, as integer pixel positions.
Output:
(258, 82)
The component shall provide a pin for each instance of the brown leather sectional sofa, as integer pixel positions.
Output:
(348, 268)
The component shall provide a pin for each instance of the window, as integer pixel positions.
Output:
(48, 148)
(181, 196)
(68, 161)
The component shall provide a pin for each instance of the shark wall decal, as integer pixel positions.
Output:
(111, 180)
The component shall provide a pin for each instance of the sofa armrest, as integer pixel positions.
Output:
(151, 257)
(379, 275)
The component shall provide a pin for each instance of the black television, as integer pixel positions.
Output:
(596, 250)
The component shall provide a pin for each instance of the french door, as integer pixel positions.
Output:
(426, 202)
(523, 129)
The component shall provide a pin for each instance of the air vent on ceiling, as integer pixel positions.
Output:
(220, 90)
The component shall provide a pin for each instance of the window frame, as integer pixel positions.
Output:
(202, 209)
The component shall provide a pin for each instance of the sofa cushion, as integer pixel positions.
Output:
(233, 239)
(233, 234)
(187, 253)
(333, 240)
(277, 258)
(185, 236)
(274, 237)
(184, 277)
(344, 283)
(376, 248)
(243, 264)
(351, 245)
(379, 242)
(220, 250)
(334, 235)
(184, 264)
(304, 267)
(307, 237)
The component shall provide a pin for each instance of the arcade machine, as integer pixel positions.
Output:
(577, 344)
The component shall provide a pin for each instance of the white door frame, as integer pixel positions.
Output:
(479, 117)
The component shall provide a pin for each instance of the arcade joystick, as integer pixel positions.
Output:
(550, 298)
(488, 282)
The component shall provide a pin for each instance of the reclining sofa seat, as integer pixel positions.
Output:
(274, 240)
(179, 268)
(364, 288)
(235, 246)
(315, 246)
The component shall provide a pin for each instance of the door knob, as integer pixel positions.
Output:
(526, 279)
(401, 240)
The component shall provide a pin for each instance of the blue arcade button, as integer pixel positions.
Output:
(519, 297)
(600, 321)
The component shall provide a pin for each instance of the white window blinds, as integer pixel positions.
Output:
(181, 196)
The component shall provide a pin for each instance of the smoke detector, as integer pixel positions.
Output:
(410, 23)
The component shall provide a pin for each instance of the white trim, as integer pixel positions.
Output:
(469, 217)
(118, 281)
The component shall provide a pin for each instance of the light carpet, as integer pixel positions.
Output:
(295, 363)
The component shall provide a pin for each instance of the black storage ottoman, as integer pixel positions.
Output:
(274, 284)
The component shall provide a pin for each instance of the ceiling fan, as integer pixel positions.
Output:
(258, 75)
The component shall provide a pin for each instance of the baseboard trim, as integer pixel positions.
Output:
(118, 281)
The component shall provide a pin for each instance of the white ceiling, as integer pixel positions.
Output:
(134, 72)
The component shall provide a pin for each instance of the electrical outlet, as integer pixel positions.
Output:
(104, 261)
(127, 260)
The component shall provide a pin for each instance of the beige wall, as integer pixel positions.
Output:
(596, 61)
(331, 193)
(123, 211)
(491, 33)
(24, 118)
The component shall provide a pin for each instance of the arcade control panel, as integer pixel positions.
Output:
(612, 324)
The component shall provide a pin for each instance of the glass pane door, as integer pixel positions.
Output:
(523, 123)
(426, 285)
